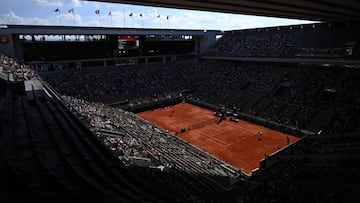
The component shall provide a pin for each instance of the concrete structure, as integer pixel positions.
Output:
(321, 10)
(11, 45)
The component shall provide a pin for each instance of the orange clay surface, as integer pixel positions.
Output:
(237, 144)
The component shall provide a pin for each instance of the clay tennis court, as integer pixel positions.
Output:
(238, 144)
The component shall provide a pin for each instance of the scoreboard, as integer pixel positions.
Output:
(128, 42)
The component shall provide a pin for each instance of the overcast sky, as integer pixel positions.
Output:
(82, 13)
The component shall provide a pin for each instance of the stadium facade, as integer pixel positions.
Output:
(20, 42)
(69, 129)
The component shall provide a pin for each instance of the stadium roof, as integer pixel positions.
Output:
(77, 30)
(318, 10)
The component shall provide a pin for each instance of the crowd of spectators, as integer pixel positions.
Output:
(124, 145)
(251, 44)
(318, 168)
(304, 97)
(116, 84)
(132, 136)
(12, 70)
(117, 139)
(322, 40)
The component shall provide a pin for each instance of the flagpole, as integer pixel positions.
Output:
(124, 16)
(98, 13)
(100, 19)
(159, 19)
(131, 19)
(60, 17)
(111, 20)
(167, 18)
(73, 14)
